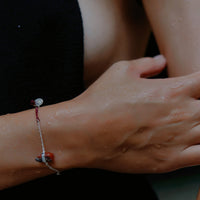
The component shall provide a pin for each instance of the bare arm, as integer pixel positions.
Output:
(176, 26)
(123, 122)
(20, 142)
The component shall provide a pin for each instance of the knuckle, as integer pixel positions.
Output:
(171, 93)
(166, 95)
(120, 66)
(178, 88)
(179, 115)
(174, 95)
(121, 63)
(164, 91)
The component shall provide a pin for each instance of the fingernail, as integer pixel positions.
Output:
(160, 58)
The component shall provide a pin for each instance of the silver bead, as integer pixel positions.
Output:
(38, 102)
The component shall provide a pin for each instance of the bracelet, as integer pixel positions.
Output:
(44, 157)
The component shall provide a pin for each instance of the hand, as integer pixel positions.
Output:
(140, 125)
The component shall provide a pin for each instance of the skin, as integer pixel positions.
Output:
(175, 24)
(122, 122)
(102, 48)
(124, 36)
(101, 52)
(126, 123)
(135, 146)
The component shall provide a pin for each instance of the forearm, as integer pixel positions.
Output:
(112, 126)
(20, 142)
(176, 27)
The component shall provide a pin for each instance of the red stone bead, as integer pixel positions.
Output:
(48, 156)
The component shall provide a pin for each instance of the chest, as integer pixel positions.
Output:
(113, 30)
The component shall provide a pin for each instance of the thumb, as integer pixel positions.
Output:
(147, 67)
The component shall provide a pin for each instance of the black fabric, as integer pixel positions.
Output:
(41, 52)
(85, 184)
(41, 55)
(139, 3)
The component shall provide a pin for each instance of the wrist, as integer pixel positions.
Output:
(65, 127)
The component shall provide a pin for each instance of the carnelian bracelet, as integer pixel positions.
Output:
(44, 157)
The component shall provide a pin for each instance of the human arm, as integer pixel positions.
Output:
(175, 24)
(20, 142)
(123, 122)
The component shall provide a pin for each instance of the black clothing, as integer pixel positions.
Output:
(41, 52)
(41, 55)
(139, 3)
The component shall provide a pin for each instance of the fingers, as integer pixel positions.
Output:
(147, 67)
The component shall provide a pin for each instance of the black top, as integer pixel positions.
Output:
(41, 55)
(41, 52)
(139, 2)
